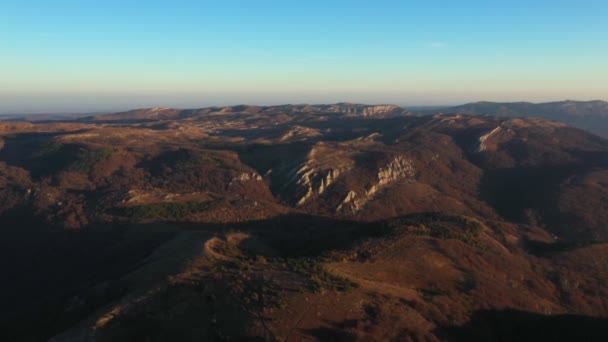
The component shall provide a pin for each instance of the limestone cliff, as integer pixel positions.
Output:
(397, 169)
(324, 165)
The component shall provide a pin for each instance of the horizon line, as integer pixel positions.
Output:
(85, 112)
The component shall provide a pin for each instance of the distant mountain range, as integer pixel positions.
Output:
(41, 117)
(588, 115)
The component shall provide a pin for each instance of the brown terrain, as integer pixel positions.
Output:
(301, 223)
(588, 115)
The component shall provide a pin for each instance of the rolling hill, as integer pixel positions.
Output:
(301, 222)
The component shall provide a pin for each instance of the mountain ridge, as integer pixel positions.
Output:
(588, 115)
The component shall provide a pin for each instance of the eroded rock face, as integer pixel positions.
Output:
(398, 168)
(315, 180)
(350, 199)
(484, 138)
(300, 133)
(374, 110)
(349, 108)
(244, 177)
(324, 165)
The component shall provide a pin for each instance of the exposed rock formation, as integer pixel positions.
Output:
(365, 110)
(484, 138)
(349, 199)
(374, 110)
(243, 177)
(315, 181)
(300, 133)
(397, 169)
(325, 163)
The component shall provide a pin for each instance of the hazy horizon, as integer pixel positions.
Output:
(57, 105)
(67, 56)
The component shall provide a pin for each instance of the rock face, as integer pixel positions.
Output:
(397, 169)
(315, 181)
(299, 133)
(506, 130)
(350, 198)
(364, 110)
(484, 138)
(324, 164)
(328, 164)
(244, 177)
(383, 109)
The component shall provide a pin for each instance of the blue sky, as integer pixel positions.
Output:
(112, 55)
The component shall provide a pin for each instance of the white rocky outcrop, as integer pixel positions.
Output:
(382, 109)
(505, 131)
(484, 138)
(324, 165)
(400, 167)
(300, 132)
(315, 181)
(244, 177)
(364, 110)
(397, 169)
(350, 197)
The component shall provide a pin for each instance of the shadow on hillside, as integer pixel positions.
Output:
(40, 153)
(541, 248)
(302, 235)
(513, 192)
(524, 194)
(334, 332)
(296, 235)
(514, 325)
(53, 277)
(45, 268)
